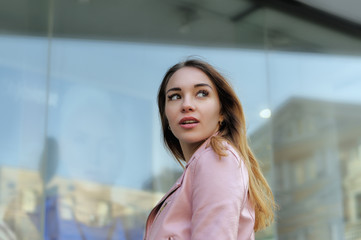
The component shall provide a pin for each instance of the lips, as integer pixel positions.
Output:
(188, 120)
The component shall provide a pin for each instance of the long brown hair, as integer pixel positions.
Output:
(233, 130)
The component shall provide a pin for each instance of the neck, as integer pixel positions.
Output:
(189, 149)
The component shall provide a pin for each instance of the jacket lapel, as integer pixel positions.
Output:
(155, 210)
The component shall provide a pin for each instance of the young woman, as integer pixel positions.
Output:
(222, 193)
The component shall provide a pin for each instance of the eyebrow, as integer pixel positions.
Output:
(195, 86)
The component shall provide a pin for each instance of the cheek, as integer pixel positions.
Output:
(169, 116)
(216, 113)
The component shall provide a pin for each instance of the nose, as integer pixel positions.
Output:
(188, 105)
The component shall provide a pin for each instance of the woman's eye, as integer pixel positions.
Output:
(174, 97)
(202, 93)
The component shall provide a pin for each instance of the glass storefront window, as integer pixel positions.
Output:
(81, 154)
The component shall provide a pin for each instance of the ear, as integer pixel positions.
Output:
(221, 118)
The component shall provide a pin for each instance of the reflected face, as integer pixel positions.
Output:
(192, 106)
(87, 147)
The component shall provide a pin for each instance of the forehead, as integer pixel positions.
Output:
(188, 77)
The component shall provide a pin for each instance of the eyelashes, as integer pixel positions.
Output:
(201, 94)
(174, 96)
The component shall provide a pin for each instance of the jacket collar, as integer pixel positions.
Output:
(200, 149)
(178, 183)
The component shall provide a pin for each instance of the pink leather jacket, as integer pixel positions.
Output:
(209, 201)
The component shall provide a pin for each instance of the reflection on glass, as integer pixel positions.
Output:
(98, 182)
(90, 130)
(317, 168)
(22, 120)
(86, 158)
(21, 214)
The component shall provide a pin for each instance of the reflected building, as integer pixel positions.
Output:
(22, 195)
(261, 144)
(21, 191)
(317, 168)
(84, 186)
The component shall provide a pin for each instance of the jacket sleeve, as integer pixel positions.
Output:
(219, 192)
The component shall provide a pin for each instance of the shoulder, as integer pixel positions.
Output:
(208, 161)
(226, 174)
(209, 156)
